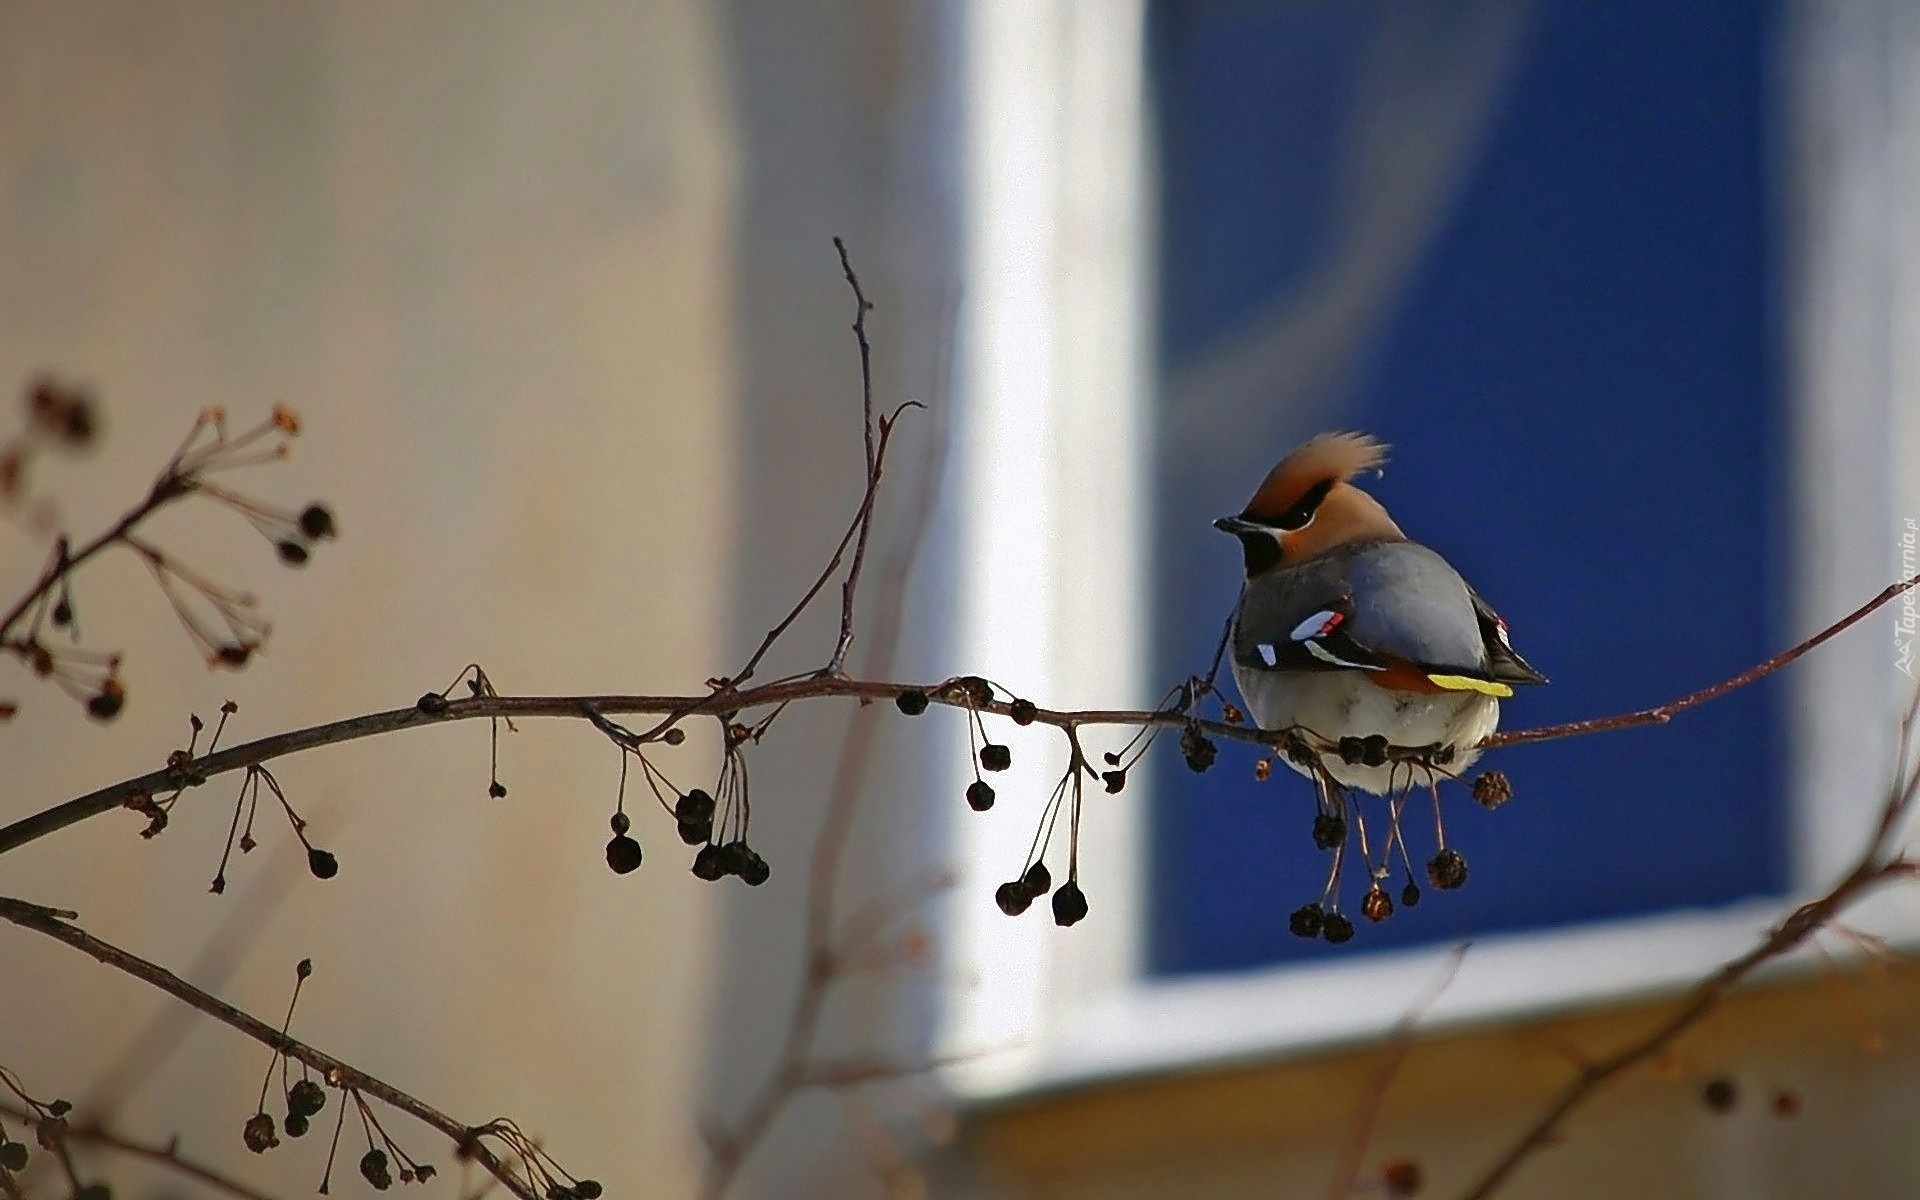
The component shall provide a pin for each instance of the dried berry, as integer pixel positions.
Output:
(1306, 920)
(912, 702)
(1013, 898)
(710, 863)
(1069, 904)
(1329, 830)
(1373, 750)
(1410, 895)
(316, 521)
(1351, 750)
(1336, 928)
(1375, 906)
(754, 871)
(587, 1189)
(980, 795)
(105, 704)
(1492, 789)
(995, 757)
(1038, 880)
(623, 854)
(13, 1156)
(1403, 1178)
(497, 790)
(374, 1169)
(306, 1098)
(620, 822)
(259, 1134)
(695, 832)
(1115, 780)
(734, 857)
(292, 553)
(1023, 712)
(1786, 1104)
(296, 1125)
(695, 806)
(431, 703)
(1262, 769)
(322, 863)
(62, 613)
(1198, 749)
(1447, 870)
(1719, 1095)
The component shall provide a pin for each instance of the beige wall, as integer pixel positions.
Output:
(484, 249)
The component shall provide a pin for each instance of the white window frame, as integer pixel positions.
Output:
(1056, 389)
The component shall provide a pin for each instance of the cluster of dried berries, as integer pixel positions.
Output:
(321, 863)
(305, 1097)
(717, 827)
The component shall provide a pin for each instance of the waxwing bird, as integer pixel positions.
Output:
(1368, 646)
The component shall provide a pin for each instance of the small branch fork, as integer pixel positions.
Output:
(57, 925)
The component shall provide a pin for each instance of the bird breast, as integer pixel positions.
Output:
(1338, 704)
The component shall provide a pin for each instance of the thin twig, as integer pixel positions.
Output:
(1662, 713)
(56, 925)
(861, 307)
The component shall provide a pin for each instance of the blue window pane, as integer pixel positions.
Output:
(1576, 363)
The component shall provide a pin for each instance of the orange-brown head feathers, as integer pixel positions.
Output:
(1307, 504)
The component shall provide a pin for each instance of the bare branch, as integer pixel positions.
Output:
(954, 692)
(465, 1138)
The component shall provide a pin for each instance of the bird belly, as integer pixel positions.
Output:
(1338, 704)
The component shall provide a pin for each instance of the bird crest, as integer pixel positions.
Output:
(1295, 487)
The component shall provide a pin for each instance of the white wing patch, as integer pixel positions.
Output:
(1318, 625)
(1327, 656)
(1266, 654)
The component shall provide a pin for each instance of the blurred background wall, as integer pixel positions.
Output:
(577, 382)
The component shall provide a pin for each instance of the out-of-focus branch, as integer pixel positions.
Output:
(167, 1155)
(465, 1138)
(235, 631)
(1879, 864)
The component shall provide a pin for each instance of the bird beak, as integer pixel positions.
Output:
(1238, 526)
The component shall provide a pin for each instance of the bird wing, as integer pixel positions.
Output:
(1396, 610)
(1508, 666)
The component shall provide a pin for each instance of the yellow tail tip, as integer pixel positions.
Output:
(1467, 683)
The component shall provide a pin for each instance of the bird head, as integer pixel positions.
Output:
(1307, 505)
